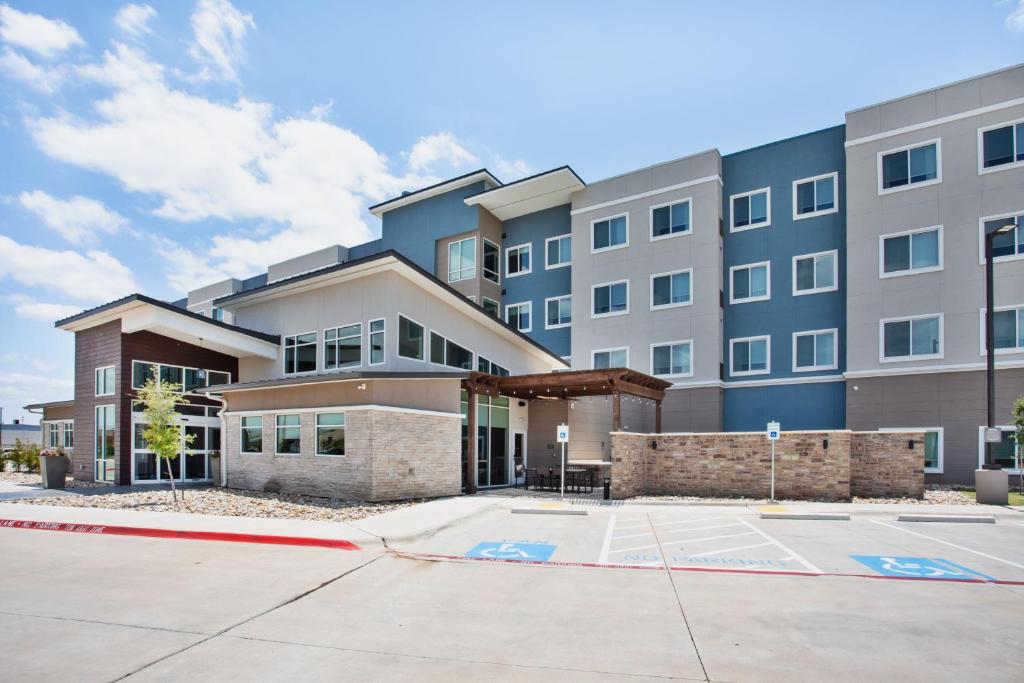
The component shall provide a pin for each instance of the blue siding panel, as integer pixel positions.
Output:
(794, 406)
(366, 249)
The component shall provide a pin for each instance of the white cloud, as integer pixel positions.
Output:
(46, 37)
(133, 20)
(511, 170)
(21, 388)
(219, 43)
(76, 219)
(1015, 20)
(27, 307)
(439, 148)
(45, 79)
(95, 276)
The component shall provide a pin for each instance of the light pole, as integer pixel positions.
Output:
(990, 332)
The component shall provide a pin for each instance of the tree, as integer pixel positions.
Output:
(163, 429)
(1018, 435)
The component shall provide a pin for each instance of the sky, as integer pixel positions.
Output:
(159, 147)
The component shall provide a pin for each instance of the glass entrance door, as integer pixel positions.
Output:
(492, 441)
(192, 463)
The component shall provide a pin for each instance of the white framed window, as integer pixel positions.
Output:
(671, 290)
(330, 434)
(1005, 247)
(558, 312)
(299, 353)
(69, 433)
(105, 381)
(1009, 329)
(750, 282)
(749, 210)
(750, 356)
(916, 165)
(915, 337)
(671, 219)
(520, 316)
(816, 273)
(518, 260)
(816, 196)
(933, 442)
(288, 434)
(609, 298)
(491, 307)
(602, 359)
(343, 347)
(462, 259)
(105, 425)
(609, 233)
(411, 339)
(816, 350)
(672, 359)
(444, 351)
(492, 261)
(250, 437)
(485, 365)
(1007, 452)
(910, 252)
(557, 252)
(377, 339)
(1001, 146)
(217, 314)
(53, 434)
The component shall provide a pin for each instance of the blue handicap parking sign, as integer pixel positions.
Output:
(520, 552)
(919, 567)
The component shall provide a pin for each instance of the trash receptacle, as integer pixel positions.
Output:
(53, 467)
(215, 468)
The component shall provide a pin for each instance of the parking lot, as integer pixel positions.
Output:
(691, 593)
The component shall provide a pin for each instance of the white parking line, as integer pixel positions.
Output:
(603, 557)
(646, 533)
(639, 547)
(713, 538)
(952, 545)
(729, 550)
(700, 528)
(795, 555)
(691, 521)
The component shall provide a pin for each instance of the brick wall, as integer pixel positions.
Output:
(739, 464)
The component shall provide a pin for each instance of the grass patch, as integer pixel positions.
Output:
(1015, 497)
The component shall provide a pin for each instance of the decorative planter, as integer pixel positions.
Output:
(992, 487)
(53, 468)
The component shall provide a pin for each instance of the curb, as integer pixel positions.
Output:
(834, 516)
(537, 511)
(957, 519)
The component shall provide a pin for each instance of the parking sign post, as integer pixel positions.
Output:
(563, 438)
(774, 430)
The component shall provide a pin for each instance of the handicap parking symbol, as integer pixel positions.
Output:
(919, 567)
(519, 552)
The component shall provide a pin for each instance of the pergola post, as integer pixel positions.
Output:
(657, 417)
(616, 411)
(471, 438)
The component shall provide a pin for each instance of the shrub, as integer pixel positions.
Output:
(25, 456)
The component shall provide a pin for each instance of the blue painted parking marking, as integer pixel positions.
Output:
(920, 567)
(522, 552)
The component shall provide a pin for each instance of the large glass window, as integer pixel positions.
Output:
(814, 196)
(410, 339)
(670, 219)
(330, 434)
(462, 260)
(910, 166)
(610, 299)
(559, 312)
(1007, 453)
(751, 209)
(749, 356)
(558, 251)
(492, 261)
(1005, 245)
(105, 422)
(491, 307)
(814, 273)
(609, 233)
(610, 358)
(519, 316)
(105, 381)
(1003, 145)
(912, 338)
(916, 251)
(142, 373)
(377, 338)
(671, 359)
(670, 289)
(215, 378)
(343, 347)
(484, 365)
(814, 350)
(289, 434)
(517, 260)
(1009, 329)
(300, 353)
(252, 434)
(750, 283)
(172, 374)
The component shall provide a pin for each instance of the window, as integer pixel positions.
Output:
(609, 233)
(911, 252)
(558, 311)
(462, 259)
(171, 374)
(610, 358)
(517, 260)
(492, 307)
(446, 352)
(69, 434)
(410, 339)
(53, 435)
(330, 434)
(669, 290)
(750, 282)
(484, 365)
(1006, 453)
(343, 347)
(609, 299)
(911, 338)
(492, 261)
(1001, 146)
(1009, 330)
(142, 373)
(217, 314)
(215, 378)
(1006, 246)
(815, 273)
(932, 445)
(672, 359)
(289, 435)
(251, 439)
(670, 219)
(815, 196)
(105, 423)
(815, 350)
(914, 165)
(751, 209)
(518, 316)
(377, 341)
(105, 381)
(558, 251)
(750, 356)
(300, 353)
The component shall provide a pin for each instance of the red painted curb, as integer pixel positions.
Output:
(107, 530)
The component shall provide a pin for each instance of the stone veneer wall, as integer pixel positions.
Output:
(389, 455)
(739, 464)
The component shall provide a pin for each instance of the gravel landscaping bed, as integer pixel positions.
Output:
(35, 478)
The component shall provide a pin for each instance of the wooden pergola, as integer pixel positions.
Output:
(612, 382)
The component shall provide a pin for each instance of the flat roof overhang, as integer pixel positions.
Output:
(536, 193)
(570, 384)
(483, 174)
(52, 404)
